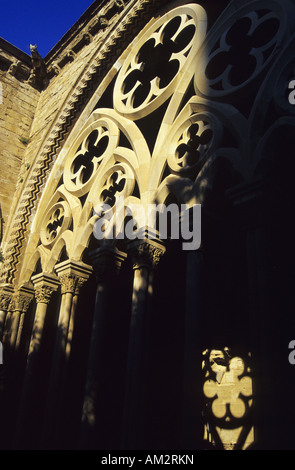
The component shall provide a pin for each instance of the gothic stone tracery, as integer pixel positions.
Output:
(198, 117)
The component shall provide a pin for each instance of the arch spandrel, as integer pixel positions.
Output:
(96, 165)
(181, 35)
(183, 130)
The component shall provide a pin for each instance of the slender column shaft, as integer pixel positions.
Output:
(44, 286)
(69, 273)
(106, 263)
(146, 255)
(5, 299)
(20, 304)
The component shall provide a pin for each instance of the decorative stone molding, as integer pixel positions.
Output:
(79, 284)
(68, 283)
(21, 302)
(207, 96)
(15, 66)
(6, 294)
(130, 24)
(16, 62)
(44, 286)
(43, 294)
(146, 253)
(5, 301)
(72, 275)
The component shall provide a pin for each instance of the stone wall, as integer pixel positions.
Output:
(18, 101)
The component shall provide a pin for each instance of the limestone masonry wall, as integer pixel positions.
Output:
(18, 101)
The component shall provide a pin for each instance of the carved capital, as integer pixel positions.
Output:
(72, 275)
(106, 262)
(5, 301)
(146, 253)
(22, 298)
(6, 294)
(43, 293)
(44, 286)
(68, 283)
(80, 283)
(20, 302)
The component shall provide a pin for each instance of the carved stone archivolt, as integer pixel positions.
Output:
(114, 44)
(110, 159)
(109, 155)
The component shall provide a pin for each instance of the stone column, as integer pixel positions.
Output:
(5, 429)
(20, 304)
(44, 286)
(5, 299)
(145, 255)
(71, 274)
(106, 262)
(192, 376)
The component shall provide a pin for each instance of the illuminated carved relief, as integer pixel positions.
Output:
(228, 392)
(155, 65)
(111, 157)
(172, 62)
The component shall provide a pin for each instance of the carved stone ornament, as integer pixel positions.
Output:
(79, 284)
(5, 301)
(21, 302)
(72, 275)
(43, 293)
(146, 254)
(68, 283)
(39, 77)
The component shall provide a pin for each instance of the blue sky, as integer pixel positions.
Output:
(25, 22)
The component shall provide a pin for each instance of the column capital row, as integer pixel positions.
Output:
(44, 286)
(18, 299)
(72, 275)
(146, 253)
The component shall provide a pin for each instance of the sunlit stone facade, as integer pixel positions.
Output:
(136, 343)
